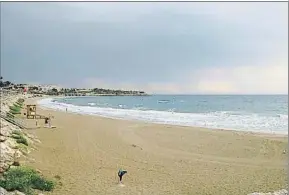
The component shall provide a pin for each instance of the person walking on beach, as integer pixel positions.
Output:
(46, 121)
(120, 174)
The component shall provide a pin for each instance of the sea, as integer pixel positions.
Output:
(254, 113)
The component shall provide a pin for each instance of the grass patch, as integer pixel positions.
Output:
(23, 148)
(16, 132)
(13, 112)
(17, 105)
(20, 139)
(25, 179)
(15, 136)
(14, 108)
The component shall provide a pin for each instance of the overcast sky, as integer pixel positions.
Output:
(195, 48)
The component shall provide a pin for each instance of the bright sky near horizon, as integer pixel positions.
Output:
(193, 48)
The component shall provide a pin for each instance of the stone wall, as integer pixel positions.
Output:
(9, 148)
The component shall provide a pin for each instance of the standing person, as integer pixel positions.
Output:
(46, 121)
(120, 174)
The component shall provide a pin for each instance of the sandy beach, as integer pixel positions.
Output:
(87, 151)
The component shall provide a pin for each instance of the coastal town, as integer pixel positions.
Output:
(55, 90)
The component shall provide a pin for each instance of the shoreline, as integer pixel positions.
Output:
(250, 132)
(87, 151)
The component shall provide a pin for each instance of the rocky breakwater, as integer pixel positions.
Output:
(13, 141)
(15, 144)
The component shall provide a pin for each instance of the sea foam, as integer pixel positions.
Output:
(217, 120)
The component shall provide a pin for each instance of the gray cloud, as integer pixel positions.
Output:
(68, 43)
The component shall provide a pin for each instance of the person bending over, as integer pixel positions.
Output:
(121, 174)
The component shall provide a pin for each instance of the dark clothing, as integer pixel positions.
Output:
(121, 173)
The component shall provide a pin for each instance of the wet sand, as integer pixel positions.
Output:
(87, 151)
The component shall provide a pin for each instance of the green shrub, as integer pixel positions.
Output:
(14, 108)
(42, 184)
(23, 148)
(13, 112)
(20, 139)
(16, 132)
(25, 179)
(18, 106)
(15, 136)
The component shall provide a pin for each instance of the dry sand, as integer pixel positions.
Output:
(87, 151)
